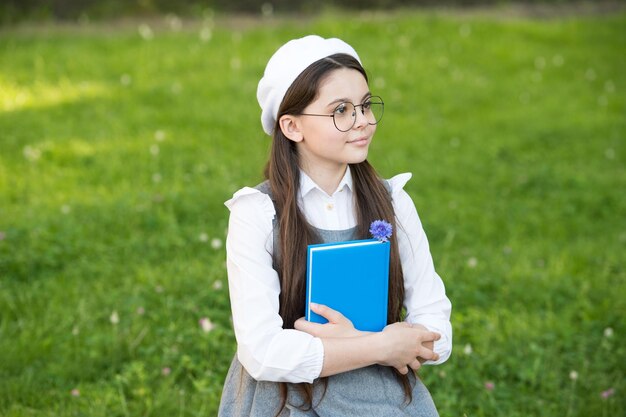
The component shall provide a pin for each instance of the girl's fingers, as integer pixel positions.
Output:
(403, 370)
(299, 322)
(415, 365)
(307, 326)
(428, 354)
(431, 337)
(333, 316)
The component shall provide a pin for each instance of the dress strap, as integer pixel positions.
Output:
(265, 188)
(387, 186)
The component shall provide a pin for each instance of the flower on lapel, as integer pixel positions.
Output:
(381, 230)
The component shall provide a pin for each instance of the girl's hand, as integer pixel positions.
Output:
(429, 345)
(405, 346)
(338, 325)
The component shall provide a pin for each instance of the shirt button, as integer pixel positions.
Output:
(329, 206)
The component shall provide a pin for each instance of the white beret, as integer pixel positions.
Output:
(286, 65)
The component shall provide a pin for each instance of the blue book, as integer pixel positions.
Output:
(351, 277)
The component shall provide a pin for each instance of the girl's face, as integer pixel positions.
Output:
(322, 145)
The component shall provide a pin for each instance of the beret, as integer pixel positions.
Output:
(287, 63)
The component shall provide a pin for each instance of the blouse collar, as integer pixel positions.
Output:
(307, 184)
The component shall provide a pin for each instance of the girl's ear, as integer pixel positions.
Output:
(290, 126)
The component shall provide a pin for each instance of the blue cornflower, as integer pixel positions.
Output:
(381, 230)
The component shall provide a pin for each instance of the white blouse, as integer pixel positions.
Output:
(266, 350)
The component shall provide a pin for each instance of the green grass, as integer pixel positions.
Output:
(117, 153)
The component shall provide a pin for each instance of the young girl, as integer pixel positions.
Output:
(317, 106)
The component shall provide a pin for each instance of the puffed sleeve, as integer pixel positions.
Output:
(266, 350)
(425, 300)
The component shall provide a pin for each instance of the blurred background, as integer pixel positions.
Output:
(125, 125)
(18, 10)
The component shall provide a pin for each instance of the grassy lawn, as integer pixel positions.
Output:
(119, 145)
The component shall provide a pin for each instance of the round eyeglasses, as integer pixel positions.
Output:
(344, 115)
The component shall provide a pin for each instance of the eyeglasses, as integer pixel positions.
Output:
(344, 115)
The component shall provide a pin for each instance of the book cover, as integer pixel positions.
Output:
(351, 277)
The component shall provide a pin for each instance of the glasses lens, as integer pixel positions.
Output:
(373, 109)
(344, 116)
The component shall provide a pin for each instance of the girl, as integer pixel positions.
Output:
(317, 105)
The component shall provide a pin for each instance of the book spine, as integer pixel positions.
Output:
(307, 313)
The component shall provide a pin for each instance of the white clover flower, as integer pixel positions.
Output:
(267, 9)
(176, 87)
(540, 62)
(206, 34)
(174, 22)
(235, 63)
(557, 60)
(609, 153)
(145, 32)
(115, 318)
(590, 74)
(31, 153)
(465, 30)
(206, 325)
(159, 136)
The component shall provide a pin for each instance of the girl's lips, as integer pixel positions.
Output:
(360, 141)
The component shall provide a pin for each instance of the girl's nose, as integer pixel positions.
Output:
(360, 118)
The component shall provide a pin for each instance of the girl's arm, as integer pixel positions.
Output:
(266, 350)
(399, 345)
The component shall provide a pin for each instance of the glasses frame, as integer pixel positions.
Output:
(369, 99)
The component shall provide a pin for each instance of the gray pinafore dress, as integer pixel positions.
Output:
(371, 391)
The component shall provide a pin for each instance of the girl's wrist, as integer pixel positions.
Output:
(377, 344)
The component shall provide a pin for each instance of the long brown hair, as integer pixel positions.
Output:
(371, 199)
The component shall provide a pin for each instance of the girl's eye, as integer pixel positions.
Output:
(341, 109)
(367, 105)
